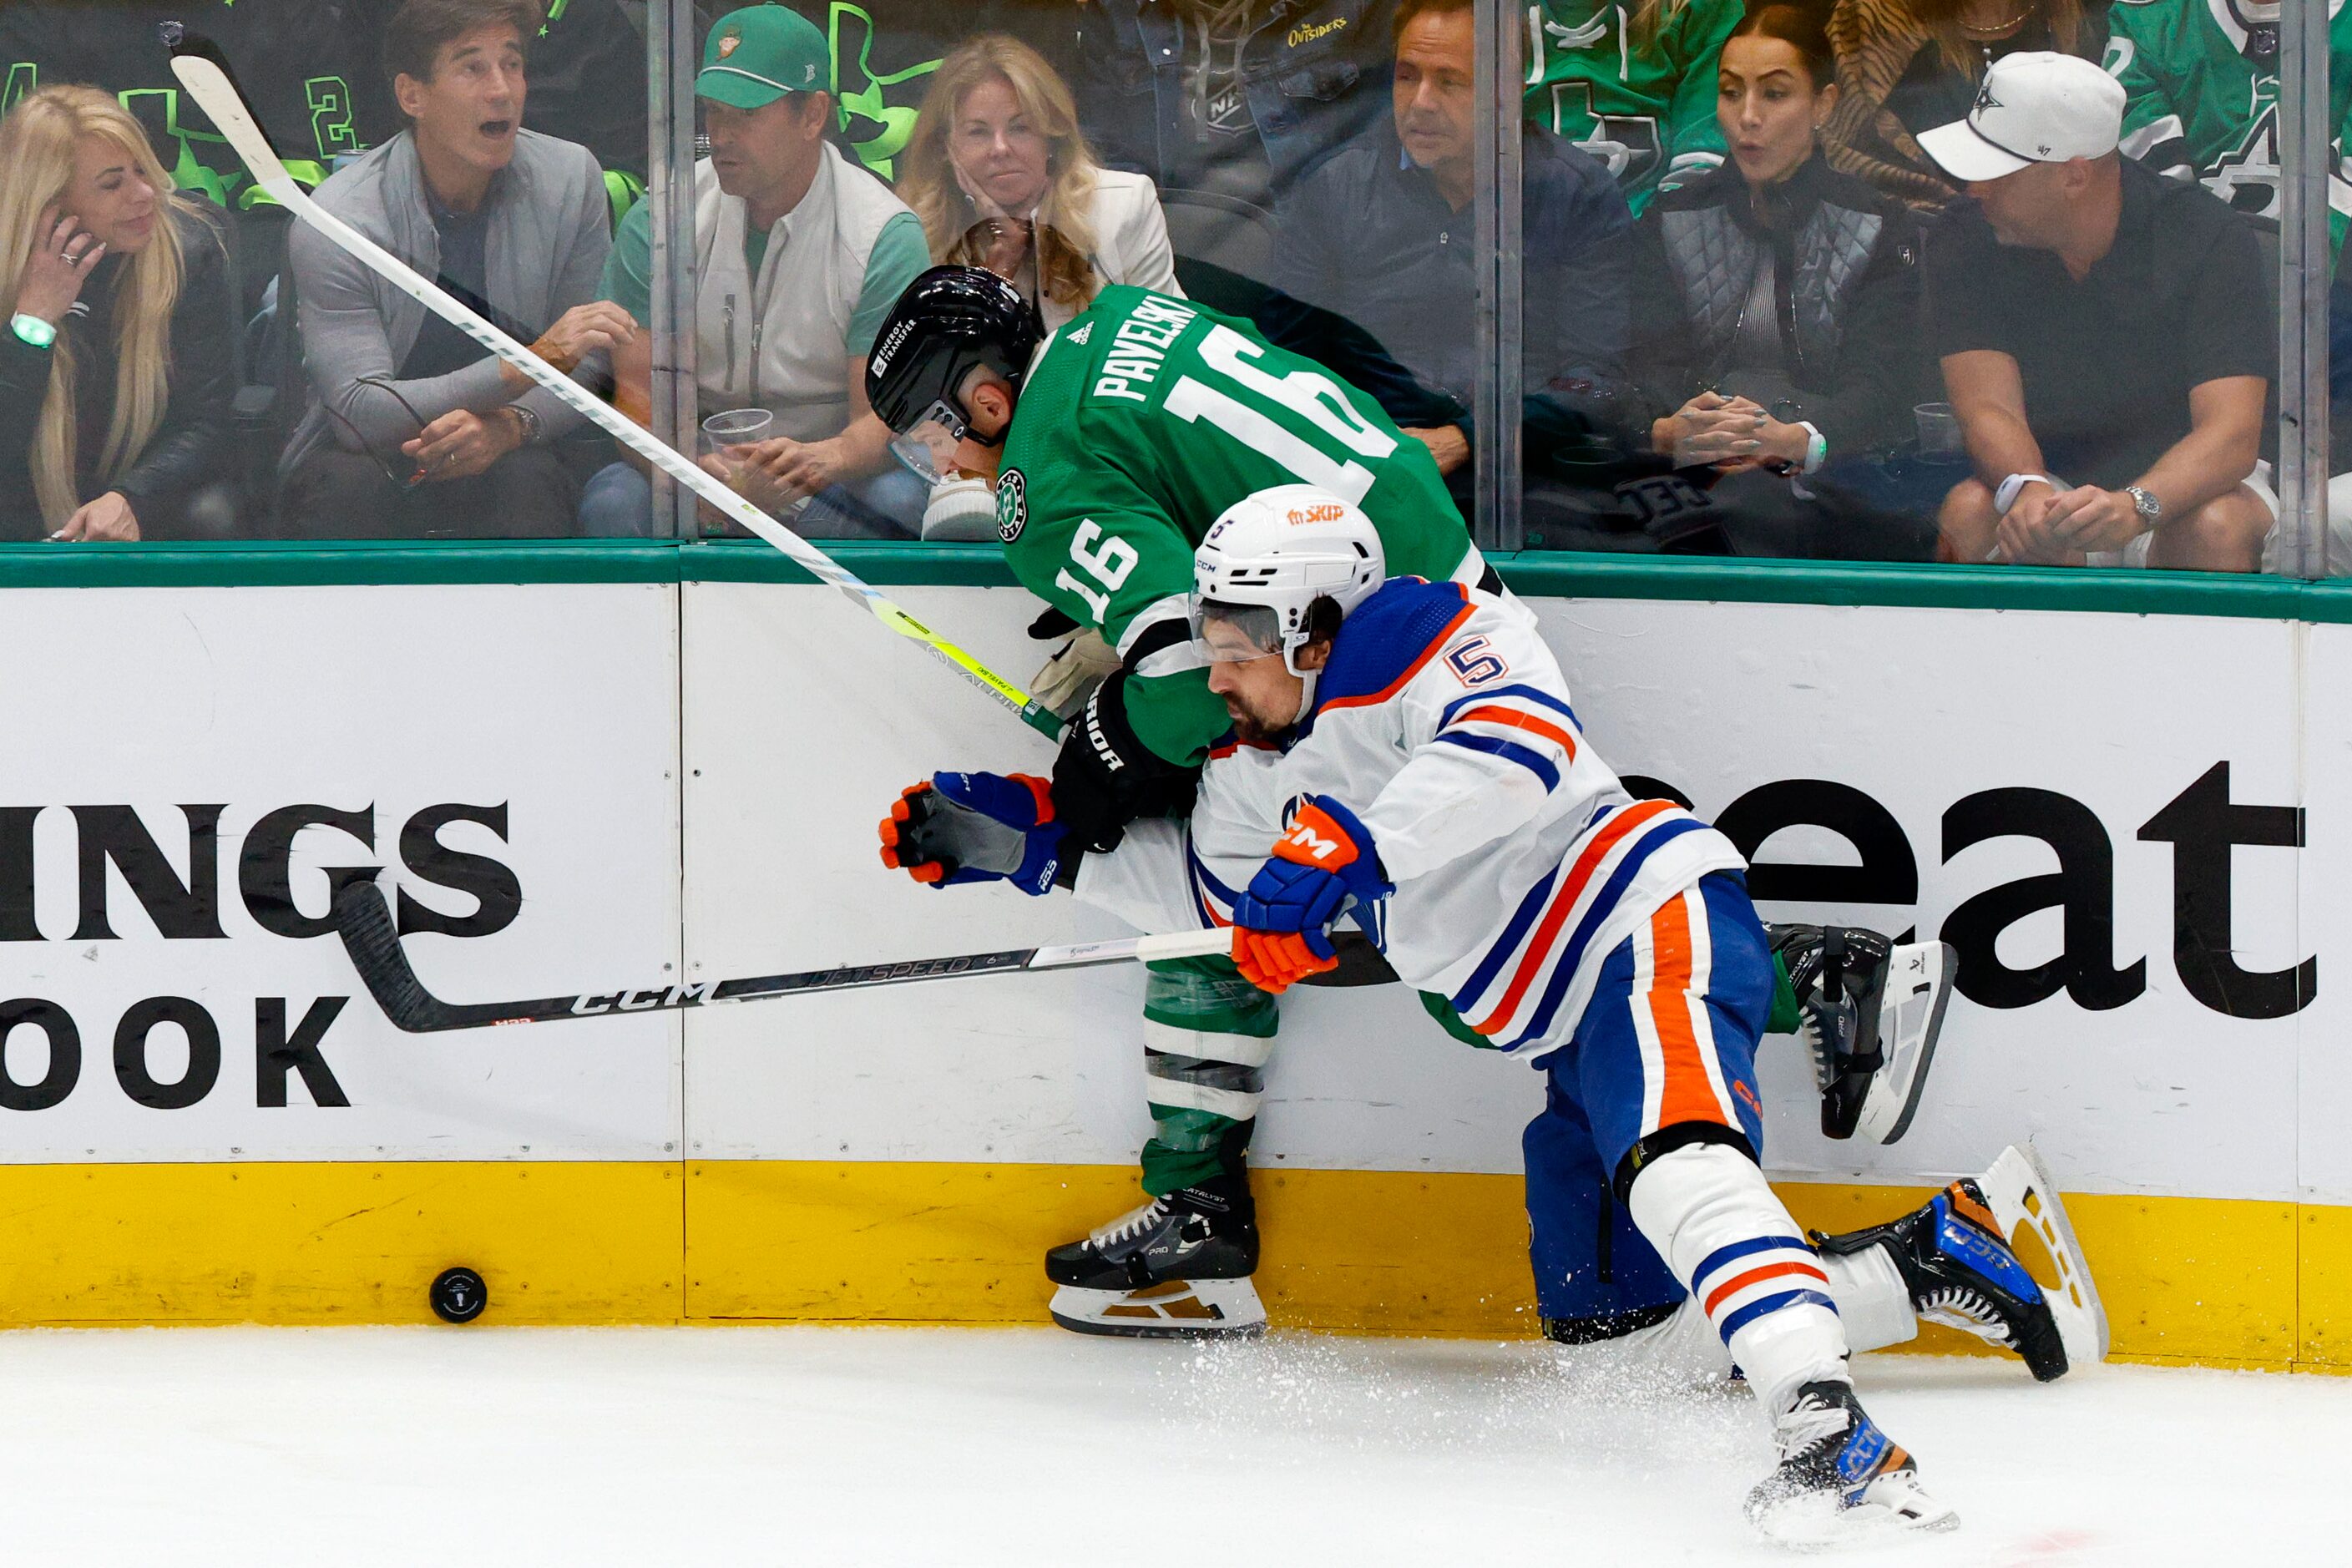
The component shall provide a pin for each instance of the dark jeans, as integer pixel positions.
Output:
(335, 494)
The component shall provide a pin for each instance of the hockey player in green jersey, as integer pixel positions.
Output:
(1632, 83)
(1113, 448)
(2202, 89)
(1115, 445)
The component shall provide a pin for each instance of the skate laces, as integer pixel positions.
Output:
(1811, 1422)
(1133, 1223)
(1971, 1311)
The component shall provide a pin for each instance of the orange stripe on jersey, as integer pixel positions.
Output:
(1757, 1277)
(1625, 822)
(1686, 1095)
(1393, 686)
(1516, 720)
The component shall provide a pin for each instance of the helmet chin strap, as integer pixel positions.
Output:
(1306, 694)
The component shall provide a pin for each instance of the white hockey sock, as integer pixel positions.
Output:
(1683, 1351)
(1715, 1220)
(1872, 1300)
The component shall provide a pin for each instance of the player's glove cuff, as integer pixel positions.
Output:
(1105, 776)
(1327, 836)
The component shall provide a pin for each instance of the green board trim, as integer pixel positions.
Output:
(1535, 574)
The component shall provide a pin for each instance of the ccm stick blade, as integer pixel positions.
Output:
(208, 84)
(364, 920)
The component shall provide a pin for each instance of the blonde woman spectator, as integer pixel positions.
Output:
(114, 365)
(1002, 177)
(1908, 65)
(1000, 174)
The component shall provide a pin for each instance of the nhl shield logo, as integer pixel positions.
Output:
(1012, 505)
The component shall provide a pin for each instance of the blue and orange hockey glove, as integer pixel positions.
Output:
(976, 828)
(1281, 925)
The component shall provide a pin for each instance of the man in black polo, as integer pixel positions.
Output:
(1383, 234)
(2104, 338)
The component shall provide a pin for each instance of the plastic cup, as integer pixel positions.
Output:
(1940, 431)
(736, 428)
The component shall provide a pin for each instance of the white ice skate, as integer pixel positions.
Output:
(2021, 1194)
(1171, 1309)
(1910, 1017)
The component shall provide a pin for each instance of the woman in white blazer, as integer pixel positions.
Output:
(1000, 174)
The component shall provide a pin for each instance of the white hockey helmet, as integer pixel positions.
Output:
(1272, 553)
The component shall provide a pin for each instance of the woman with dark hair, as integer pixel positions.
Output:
(114, 362)
(1775, 314)
(1908, 65)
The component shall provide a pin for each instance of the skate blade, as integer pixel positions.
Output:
(1819, 1523)
(1172, 1310)
(1910, 1019)
(2020, 1189)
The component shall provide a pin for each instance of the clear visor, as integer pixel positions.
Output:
(928, 446)
(1235, 633)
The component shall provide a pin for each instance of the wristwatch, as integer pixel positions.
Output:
(33, 330)
(2150, 510)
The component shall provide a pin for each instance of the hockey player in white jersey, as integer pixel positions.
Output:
(1405, 756)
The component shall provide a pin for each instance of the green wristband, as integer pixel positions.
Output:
(33, 330)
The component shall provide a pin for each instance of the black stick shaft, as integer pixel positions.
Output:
(364, 922)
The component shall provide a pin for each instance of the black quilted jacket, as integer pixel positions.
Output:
(1847, 291)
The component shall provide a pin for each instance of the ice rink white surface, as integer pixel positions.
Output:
(960, 1447)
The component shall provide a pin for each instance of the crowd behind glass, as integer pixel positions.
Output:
(1841, 280)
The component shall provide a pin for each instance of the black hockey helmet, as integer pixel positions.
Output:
(950, 321)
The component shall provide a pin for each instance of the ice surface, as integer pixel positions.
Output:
(960, 1447)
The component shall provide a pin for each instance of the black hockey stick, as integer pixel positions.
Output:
(364, 920)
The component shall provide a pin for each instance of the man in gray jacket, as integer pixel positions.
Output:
(413, 429)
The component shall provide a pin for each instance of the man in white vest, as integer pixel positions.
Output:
(799, 254)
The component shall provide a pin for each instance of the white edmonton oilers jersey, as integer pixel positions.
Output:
(1443, 722)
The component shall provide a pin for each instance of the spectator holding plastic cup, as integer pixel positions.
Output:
(799, 254)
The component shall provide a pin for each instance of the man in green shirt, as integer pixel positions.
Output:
(792, 240)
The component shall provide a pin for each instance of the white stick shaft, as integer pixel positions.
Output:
(210, 87)
(1135, 948)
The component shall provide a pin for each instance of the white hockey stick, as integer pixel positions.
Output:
(210, 87)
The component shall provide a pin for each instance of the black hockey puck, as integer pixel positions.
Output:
(459, 1295)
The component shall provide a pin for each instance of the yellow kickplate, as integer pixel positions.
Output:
(1382, 1252)
(555, 1242)
(2324, 1250)
(2185, 1280)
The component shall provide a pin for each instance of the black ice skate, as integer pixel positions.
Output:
(1177, 1267)
(1873, 1011)
(1840, 1477)
(1957, 1264)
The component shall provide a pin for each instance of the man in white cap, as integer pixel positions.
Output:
(2103, 335)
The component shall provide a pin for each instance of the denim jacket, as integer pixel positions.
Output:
(1316, 74)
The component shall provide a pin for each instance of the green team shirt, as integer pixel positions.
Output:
(2195, 105)
(1145, 418)
(1639, 96)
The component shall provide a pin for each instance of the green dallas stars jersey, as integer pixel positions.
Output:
(1632, 83)
(2196, 104)
(1141, 422)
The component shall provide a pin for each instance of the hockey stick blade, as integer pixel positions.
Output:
(364, 922)
(196, 65)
